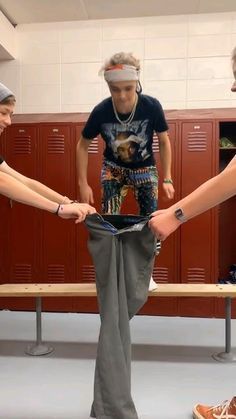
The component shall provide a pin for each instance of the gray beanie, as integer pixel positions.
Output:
(4, 92)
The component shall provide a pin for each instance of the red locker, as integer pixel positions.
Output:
(198, 241)
(166, 268)
(21, 154)
(4, 208)
(21, 256)
(57, 237)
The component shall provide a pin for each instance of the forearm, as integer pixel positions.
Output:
(46, 192)
(82, 162)
(165, 156)
(34, 185)
(16, 190)
(211, 193)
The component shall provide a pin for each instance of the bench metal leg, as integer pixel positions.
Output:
(39, 348)
(227, 356)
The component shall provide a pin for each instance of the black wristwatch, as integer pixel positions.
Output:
(179, 214)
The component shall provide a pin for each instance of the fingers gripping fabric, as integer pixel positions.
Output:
(123, 251)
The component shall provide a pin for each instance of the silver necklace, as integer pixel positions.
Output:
(127, 121)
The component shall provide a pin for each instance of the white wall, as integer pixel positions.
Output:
(7, 38)
(185, 61)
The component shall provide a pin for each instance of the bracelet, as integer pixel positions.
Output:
(58, 208)
(168, 181)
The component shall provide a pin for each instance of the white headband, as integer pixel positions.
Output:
(121, 72)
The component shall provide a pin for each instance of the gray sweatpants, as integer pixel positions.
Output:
(123, 250)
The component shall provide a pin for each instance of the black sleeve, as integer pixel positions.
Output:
(160, 124)
(1, 159)
(93, 124)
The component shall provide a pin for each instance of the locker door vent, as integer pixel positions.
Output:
(22, 145)
(56, 273)
(56, 144)
(93, 148)
(197, 141)
(23, 272)
(155, 144)
(160, 274)
(196, 275)
(88, 273)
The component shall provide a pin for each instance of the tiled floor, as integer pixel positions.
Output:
(172, 366)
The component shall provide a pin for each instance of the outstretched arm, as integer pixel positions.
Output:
(18, 191)
(206, 196)
(210, 193)
(34, 185)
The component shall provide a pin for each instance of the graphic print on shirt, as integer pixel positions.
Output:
(128, 143)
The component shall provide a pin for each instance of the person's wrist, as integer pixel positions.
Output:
(180, 215)
(59, 209)
(83, 182)
(66, 200)
(69, 201)
(168, 180)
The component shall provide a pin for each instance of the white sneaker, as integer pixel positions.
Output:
(152, 285)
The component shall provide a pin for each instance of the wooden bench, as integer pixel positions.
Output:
(226, 291)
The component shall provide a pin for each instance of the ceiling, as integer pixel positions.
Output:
(35, 11)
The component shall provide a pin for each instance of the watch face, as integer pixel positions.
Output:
(179, 214)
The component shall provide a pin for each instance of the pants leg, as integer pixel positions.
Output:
(146, 194)
(113, 188)
(123, 264)
(145, 182)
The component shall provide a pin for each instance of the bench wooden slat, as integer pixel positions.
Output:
(195, 290)
(89, 290)
(48, 290)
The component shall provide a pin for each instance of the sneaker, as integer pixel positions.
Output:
(152, 285)
(225, 410)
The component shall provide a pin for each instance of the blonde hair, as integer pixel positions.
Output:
(121, 58)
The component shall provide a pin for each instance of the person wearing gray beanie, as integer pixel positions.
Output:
(29, 191)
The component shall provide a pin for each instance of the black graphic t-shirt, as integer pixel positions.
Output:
(131, 145)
